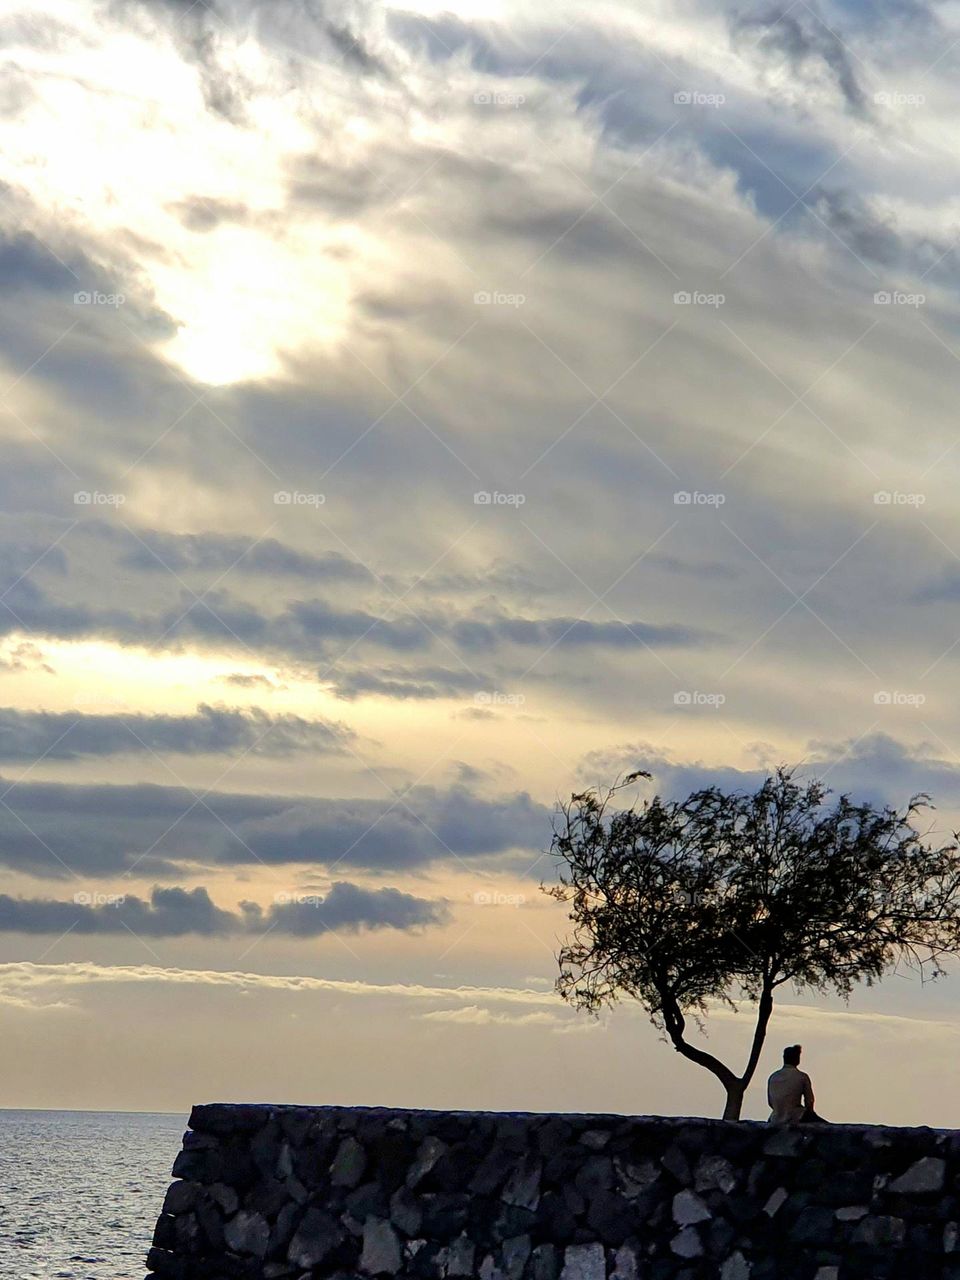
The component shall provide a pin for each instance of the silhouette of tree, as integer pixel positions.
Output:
(729, 896)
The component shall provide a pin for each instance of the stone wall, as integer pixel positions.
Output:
(297, 1193)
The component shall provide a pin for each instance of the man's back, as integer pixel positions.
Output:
(789, 1093)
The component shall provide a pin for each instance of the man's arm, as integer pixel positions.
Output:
(807, 1096)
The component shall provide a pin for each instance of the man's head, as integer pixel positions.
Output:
(791, 1056)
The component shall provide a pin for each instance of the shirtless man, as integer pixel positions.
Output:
(789, 1092)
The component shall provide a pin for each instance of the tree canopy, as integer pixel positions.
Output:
(726, 896)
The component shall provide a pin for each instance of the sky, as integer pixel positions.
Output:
(412, 415)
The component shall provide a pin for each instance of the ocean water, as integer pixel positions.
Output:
(80, 1192)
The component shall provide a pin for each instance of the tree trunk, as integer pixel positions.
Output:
(735, 1092)
(675, 1024)
(735, 1086)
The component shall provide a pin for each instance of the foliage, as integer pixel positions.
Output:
(720, 896)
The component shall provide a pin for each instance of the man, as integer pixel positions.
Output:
(789, 1092)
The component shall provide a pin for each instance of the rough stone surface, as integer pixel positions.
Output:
(688, 1208)
(381, 1248)
(339, 1193)
(316, 1236)
(776, 1201)
(686, 1243)
(584, 1262)
(247, 1233)
(926, 1175)
(736, 1267)
(715, 1173)
(348, 1164)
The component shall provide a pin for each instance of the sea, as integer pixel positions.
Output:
(80, 1191)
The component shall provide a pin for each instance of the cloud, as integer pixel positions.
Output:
(25, 984)
(175, 912)
(875, 767)
(170, 913)
(23, 979)
(478, 636)
(403, 683)
(810, 46)
(945, 586)
(347, 908)
(424, 825)
(243, 680)
(368, 262)
(59, 829)
(217, 618)
(25, 264)
(473, 1015)
(68, 735)
(155, 550)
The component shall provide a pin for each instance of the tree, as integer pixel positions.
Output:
(728, 896)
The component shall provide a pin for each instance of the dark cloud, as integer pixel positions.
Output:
(170, 913)
(353, 49)
(205, 213)
(423, 826)
(313, 627)
(805, 40)
(478, 636)
(198, 29)
(28, 264)
(884, 769)
(58, 830)
(20, 556)
(402, 683)
(154, 550)
(340, 190)
(869, 237)
(174, 912)
(68, 735)
(244, 681)
(347, 908)
(878, 767)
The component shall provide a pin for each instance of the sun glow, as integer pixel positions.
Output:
(241, 296)
(240, 286)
